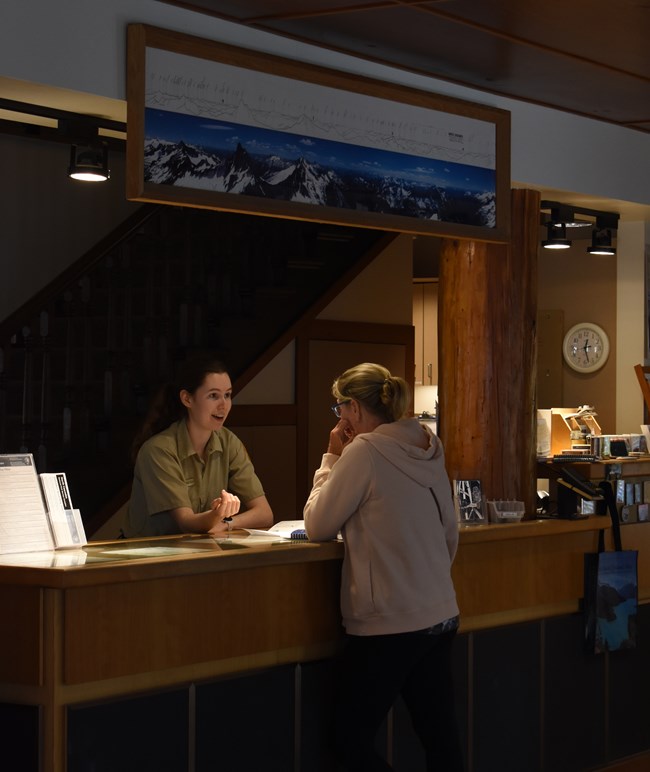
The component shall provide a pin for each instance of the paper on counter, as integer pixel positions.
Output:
(282, 530)
(24, 525)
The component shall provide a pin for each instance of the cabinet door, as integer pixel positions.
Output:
(425, 321)
(418, 299)
(430, 334)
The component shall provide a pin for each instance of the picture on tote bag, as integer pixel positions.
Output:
(611, 600)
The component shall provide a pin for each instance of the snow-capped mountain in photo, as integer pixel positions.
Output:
(300, 180)
(173, 163)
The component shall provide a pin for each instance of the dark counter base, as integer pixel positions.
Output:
(590, 711)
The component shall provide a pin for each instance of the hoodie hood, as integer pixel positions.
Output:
(410, 447)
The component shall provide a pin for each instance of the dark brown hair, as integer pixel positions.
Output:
(166, 406)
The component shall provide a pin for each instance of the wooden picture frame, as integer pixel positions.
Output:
(216, 126)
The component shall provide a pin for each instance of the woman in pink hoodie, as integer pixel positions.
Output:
(382, 483)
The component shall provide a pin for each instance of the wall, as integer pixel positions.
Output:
(610, 292)
(379, 295)
(631, 323)
(48, 220)
(275, 384)
(584, 287)
(382, 293)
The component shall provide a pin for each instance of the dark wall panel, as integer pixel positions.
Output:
(19, 728)
(574, 698)
(130, 735)
(318, 685)
(247, 723)
(506, 715)
(629, 688)
(460, 664)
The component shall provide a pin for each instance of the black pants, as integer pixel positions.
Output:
(374, 670)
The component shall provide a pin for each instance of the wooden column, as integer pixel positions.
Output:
(487, 357)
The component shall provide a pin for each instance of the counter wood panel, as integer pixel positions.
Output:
(522, 579)
(21, 656)
(139, 627)
(534, 569)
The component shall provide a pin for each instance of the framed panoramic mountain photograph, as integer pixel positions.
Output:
(215, 126)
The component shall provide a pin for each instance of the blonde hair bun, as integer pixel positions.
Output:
(387, 396)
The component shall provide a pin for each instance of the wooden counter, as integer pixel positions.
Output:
(529, 570)
(137, 616)
(534, 569)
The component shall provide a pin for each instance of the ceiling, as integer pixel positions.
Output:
(588, 57)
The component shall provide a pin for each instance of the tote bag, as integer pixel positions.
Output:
(610, 590)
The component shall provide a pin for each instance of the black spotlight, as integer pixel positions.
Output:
(89, 163)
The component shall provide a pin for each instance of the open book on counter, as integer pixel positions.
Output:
(285, 529)
(293, 530)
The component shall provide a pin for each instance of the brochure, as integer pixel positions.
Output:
(36, 512)
(65, 522)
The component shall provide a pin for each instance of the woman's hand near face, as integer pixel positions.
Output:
(340, 436)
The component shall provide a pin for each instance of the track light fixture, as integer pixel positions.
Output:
(601, 242)
(556, 237)
(563, 216)
(89, 163)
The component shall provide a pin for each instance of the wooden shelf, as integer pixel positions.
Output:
(601, 470)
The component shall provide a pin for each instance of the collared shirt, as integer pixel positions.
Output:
(170, 474)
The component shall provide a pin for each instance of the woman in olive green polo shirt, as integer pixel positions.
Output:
(192, 474)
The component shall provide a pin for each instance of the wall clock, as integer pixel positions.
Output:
(585, 347)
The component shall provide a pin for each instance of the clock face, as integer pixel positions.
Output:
(586, 347)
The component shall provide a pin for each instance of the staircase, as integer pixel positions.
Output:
(79, 363)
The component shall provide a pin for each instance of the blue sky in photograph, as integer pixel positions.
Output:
(221, 136)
